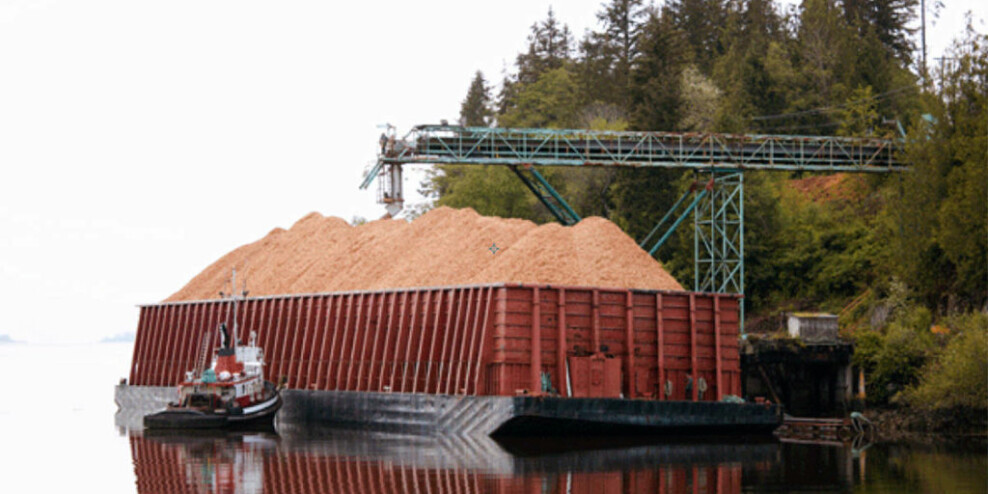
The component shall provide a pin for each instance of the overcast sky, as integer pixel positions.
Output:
(140, 141)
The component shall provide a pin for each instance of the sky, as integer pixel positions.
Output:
(140, 141)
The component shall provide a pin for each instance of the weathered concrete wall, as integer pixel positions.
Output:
(815, 328)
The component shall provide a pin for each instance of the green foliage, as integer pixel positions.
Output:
(701, 98)
(549, 47)
(490, 190)
(892, 360)
(656, 81)
(745, 72)
(475, 111)
(859, 115)
(887, 20)
(549, 102)
(621, 21)
(763, 237)
(596, 78)
(956, 377)
(938, 216)
(701, 20)
(963, 233)
(824, 43)
(641, 198)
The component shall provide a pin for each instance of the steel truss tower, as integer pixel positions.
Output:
(718, 236)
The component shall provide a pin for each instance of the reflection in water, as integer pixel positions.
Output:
(377, 463)
(391, 464)
(201, 464)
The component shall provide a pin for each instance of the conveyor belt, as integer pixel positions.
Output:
(471, 145)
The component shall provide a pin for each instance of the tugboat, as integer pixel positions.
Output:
(231, 392)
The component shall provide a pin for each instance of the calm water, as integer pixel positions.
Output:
(57, 432)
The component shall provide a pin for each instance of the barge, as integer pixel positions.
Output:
(490, 359)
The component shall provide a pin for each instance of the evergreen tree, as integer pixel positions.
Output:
(594, 70)
(656, 80)
(475, 110)
(859, 116)
(938, 212)
(622, 22)
(888, 20)
(755, 70)
(549, 47)
(506, 96)
(825, 48)
(701, 20)
(549, 102)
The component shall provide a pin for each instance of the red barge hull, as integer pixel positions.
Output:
(495, 340)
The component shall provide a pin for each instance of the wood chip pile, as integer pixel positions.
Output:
(442, 247)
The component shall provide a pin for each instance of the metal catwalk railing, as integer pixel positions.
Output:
(443, 144)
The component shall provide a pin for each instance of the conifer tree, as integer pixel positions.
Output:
(475, 111)
(656, 89)
(824, 47)
(549, 47)
(622, 22)
(888, 20)
(755, 68)
(594, 70)
(701, 20)
(549, 102)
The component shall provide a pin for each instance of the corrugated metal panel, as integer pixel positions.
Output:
(673, 336)
(462, 340)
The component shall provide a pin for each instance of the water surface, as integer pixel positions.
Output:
(58, 433)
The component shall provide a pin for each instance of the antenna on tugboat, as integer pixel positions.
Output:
(244, 290)
(236, 298)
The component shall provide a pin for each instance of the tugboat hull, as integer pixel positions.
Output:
(184, 419)
(260, 415)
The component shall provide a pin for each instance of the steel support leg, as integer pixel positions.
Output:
(547, 194)
(718, 241)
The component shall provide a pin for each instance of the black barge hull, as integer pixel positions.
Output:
(427, 414)
(521, 416)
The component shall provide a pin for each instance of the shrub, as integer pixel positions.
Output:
(958, 376)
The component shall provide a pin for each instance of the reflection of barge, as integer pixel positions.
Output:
(362, 462)
(498, 358)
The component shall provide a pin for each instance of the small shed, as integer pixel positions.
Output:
(812, 327)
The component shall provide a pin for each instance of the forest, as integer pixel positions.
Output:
(902, 258)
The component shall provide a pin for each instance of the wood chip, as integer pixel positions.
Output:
(442, 247)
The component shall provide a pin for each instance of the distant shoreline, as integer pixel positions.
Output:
(127, 337)
(7, 340)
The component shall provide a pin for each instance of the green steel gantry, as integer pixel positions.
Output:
(721, 159)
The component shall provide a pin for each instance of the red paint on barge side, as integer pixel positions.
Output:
(468, 340)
